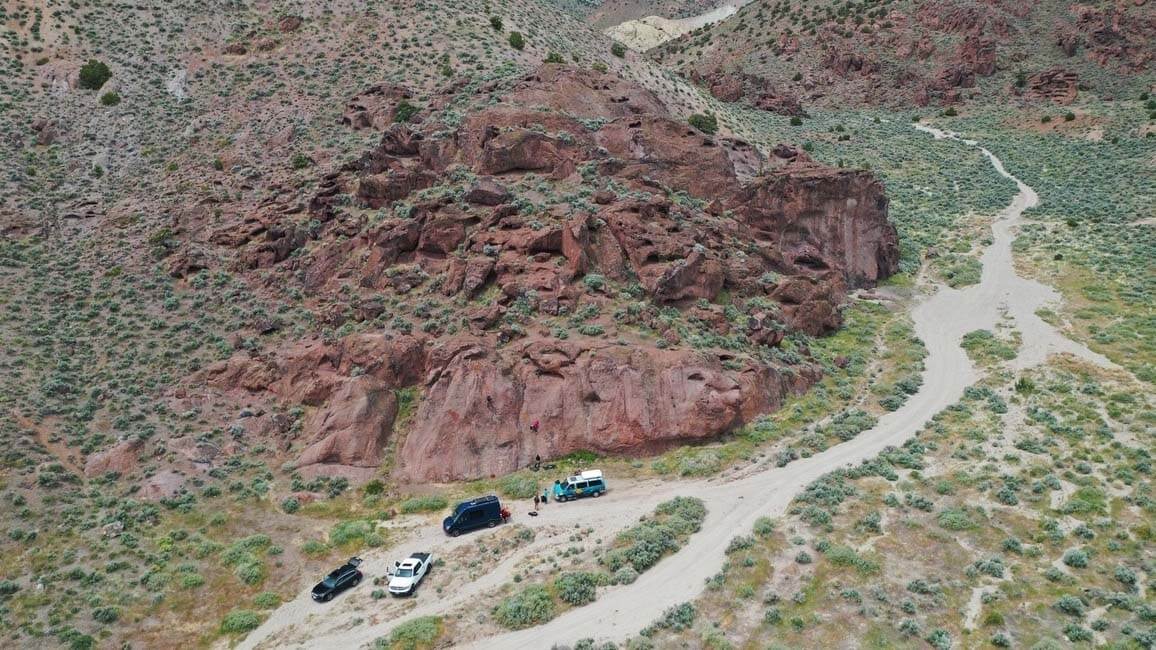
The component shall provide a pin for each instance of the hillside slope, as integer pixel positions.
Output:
(909, 53)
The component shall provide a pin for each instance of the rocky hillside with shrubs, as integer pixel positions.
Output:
(901, 53)
(256, 255)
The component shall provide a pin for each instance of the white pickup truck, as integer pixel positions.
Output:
(406, 574)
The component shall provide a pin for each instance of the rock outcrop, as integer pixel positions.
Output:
(676, 216)
(1056, 85)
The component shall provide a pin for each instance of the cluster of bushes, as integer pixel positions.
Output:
(848, 424)
(354, 533)
(983, 346)
(531, 606)
(417, 634)
(579, 587)
(677, 618)
(429, 503)
(240, 620)
(643, 545)
(242, 555)
(518, 486)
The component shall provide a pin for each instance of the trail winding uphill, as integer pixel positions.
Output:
(940, 320)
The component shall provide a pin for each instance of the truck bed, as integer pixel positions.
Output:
(420, 556)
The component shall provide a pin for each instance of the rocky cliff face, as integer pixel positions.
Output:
(570, 199)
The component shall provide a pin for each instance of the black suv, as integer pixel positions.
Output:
(338, 581)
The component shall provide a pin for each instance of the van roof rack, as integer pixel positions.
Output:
(586, 475)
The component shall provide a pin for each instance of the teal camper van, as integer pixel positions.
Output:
(585, 484)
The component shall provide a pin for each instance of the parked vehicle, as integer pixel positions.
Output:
(587, 484)
(483, 512)
(340, 579)
(406, 574)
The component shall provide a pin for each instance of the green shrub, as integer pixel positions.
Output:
(1076, 558)
(625, 576)
(594, 281)
(847, 556)
(430, 503)
(105, 615)
(301, 161)
(404, 111)
(290, 505)
(7, 588)
(496, 23)
(739, 543)
(954, 519)
(416, 634)
(266, 600)
(240, 620)
(1075, 633)
(705, 122)
(983, 345)
(554, 57)
(110, 98)
(517, 41)
(577, 588)
(677, 618)
(314, 548)
(1071, 605)
(1086, 500)
(532, 606)
(250, 572)
(94, 74)
(796, 121)
(347, 533)
(764, 527)
(618, 50)
(939, 639)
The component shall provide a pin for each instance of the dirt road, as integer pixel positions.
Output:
(652, 31)
(940, 320)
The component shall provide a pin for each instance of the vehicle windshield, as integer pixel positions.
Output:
(405, 573)
(329, 581)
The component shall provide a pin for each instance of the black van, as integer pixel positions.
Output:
(483, 512)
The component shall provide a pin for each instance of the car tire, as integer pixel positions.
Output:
(455, 533)
(328, 597)
(356, 581)
(491, 524)
(597, 494)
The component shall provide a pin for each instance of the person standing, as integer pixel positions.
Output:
(545, 496)
(535, 503)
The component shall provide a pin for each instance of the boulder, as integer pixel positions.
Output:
(289, 24)
(487, 191)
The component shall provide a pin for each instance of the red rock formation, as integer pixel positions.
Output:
(473, 420)
(821, 219)
(693, 215)
(732, 87)
(1056, 85)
